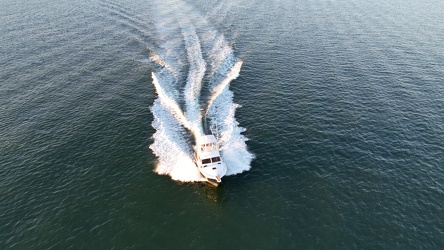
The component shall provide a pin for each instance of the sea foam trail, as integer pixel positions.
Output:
(194, 81)
(170, 141)
(179, 83)
(222, 115)
(171, 148)
(157, 59)
(219, 53)
(170, 104)
(216, 91)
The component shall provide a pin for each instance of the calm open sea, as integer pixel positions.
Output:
(330, 116)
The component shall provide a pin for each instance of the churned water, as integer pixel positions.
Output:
(330, 115)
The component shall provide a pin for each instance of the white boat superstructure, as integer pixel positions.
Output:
(208, 160)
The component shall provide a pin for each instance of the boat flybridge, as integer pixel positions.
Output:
(208, 160)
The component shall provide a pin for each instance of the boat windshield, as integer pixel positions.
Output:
(208, 146)
(210, 160)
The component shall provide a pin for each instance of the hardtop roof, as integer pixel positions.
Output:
(206, 139)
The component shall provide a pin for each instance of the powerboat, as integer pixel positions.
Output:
(208, 160)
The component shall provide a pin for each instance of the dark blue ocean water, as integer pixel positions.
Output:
(342, 104)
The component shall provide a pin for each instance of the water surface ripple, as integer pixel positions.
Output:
(342, 102)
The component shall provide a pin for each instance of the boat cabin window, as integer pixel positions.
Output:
(206, 161)
(210, 160)
(208, 146)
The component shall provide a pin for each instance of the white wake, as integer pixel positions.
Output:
(194, 61)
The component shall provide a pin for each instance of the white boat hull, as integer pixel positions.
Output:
(208, 159)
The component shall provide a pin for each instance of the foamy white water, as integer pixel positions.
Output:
(218, 89)
(178, 111)
(157, 59)
(196, 72)
(170, 146)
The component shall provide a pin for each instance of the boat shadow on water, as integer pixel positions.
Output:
(212, 194)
